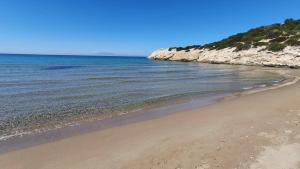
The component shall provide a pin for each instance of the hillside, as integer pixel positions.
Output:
(273, 37)
(272, 45)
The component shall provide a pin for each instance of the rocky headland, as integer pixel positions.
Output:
(276, 45)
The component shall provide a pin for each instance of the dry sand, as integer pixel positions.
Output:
(255, 131)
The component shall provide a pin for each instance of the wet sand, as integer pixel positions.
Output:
(260, 130)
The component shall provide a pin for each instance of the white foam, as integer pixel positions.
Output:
(247, 88)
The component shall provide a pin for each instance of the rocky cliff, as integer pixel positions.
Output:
(289, 57)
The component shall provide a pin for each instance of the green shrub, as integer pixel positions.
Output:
(289, 21)
(256, 32)
(279, 39)
(276, 47)
(271, 34)
(297, 36)
(237, 37)
(273, 27)
(292, 42)
(242, 46)
(258, 44)
(193, 47)
(282, 35)
(259, 38)
(180, 49)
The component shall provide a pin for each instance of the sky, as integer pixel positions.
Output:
(129, 27)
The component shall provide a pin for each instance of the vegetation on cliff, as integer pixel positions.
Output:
(274, 38)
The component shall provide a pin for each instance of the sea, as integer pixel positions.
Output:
(39, 93)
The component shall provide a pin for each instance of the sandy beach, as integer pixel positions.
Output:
(256, 131)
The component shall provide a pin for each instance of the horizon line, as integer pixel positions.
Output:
(47, 54)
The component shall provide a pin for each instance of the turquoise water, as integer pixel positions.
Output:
(42, 92)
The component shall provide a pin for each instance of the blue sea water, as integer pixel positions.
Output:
(46, 91)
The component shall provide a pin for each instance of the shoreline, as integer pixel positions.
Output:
(268, 109)
(47, 136)
(43, 136)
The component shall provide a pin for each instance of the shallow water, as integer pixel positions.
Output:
(44, 92)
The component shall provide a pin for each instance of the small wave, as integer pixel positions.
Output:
(16, 134)
(28, 83)
(248, 88)
(107, 78)
(278, 81)
(256, 86)
(262, 85)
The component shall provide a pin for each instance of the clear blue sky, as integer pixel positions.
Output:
(131, 27)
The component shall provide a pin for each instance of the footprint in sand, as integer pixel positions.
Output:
(269, 123)
(294, 111)
(288, 131)
(179, 167)
(203, 166)
(279, 157)
(296, 122)
(266, 135)
(297, 136)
